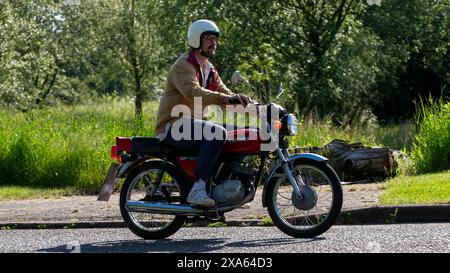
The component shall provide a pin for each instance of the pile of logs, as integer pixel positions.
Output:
(355, 162)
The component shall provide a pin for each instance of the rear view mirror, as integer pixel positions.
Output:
(280, 90)
(236, 78)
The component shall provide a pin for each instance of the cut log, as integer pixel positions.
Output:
(355, 162)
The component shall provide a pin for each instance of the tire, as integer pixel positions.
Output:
(152, 229)
(322, 179)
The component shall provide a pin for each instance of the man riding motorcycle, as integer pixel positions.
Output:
(192, 76)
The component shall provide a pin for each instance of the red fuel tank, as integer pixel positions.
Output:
(243, 141)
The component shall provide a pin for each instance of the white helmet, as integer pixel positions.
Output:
(198, 28)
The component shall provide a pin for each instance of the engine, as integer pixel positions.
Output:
(228, 192)
(234, 181)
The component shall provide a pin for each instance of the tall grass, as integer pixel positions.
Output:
(431, 146)
(65, 146)
(313, 131)
(69, 146)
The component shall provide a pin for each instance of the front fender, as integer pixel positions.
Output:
(278, 171)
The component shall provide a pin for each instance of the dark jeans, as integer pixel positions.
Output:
(199, 136)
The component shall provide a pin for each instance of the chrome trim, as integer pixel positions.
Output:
(292, 125)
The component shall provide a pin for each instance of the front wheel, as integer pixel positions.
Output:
(319, 207)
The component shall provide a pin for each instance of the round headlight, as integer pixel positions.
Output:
(291, 123)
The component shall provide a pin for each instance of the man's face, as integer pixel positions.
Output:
(209, 44)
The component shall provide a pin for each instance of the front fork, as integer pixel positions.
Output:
(288, 169)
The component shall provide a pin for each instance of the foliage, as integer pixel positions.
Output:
(316, 131)
(431, 146)
(317, 51)
(34, 52)
(65, 145)
(343, 59)
(414, 57)
(127, 31)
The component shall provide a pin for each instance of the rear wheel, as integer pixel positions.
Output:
(320, 206)
(140, 186)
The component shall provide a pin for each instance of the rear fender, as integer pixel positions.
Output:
(128, 167)
(278, 171)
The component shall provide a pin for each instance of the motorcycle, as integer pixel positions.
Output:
(301, 192)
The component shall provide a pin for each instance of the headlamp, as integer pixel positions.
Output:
(291, 125)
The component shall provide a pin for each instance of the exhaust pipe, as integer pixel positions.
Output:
(181, 209)
(178, 209)
(161, 208)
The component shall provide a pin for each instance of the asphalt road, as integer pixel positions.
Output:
(411, 238)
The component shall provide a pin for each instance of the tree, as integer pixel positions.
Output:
(127, 30)
(40, 47)
(29, 57)
(415, 53)
(319, 48)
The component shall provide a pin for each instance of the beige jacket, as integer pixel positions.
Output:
(181, 87)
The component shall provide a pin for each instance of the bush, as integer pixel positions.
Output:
(431, 146)
(66, 146)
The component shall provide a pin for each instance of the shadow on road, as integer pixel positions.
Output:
(176, 246)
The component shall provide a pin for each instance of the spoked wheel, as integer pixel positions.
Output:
(317, 209)
(140, 186)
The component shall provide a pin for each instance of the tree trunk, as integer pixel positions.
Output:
(136, 70)
(43, 95)
(355, 162)
(138, 101)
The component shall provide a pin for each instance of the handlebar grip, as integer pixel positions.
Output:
(234, 101)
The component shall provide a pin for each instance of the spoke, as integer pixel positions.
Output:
(287, 198)
(325, 199)
(308, 220)
(295, 218)
(319, 182)
(137, 191)
(282, 211)
(146, 178)
(286, 205)
(303, 221)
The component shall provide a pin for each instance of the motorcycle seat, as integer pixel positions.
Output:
(153, 145)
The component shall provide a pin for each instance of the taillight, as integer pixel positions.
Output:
(114, 152)
(123, 144)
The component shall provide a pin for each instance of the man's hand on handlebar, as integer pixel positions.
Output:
(246, 99)
(239, 99)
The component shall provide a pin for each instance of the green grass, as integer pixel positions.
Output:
(66, 146)
(21, 193)
(266, 221)
(431, 146)
(420, 189)
(217, 224)
(318, 132)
